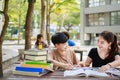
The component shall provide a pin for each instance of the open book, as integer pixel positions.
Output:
(85, 71)
(114, 71)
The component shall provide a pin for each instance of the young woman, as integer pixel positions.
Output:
(40, 42)
(62, 57)
(107, 54)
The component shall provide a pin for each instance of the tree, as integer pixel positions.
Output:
(48, 20)
(42, 16)
(6, 18)
(49, 5)
(46, 7)
(66, 14)
(28, 24)
(18, 16)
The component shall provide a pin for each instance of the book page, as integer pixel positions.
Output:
(96, 73)
(114, 72)
(85, 71)
(73, 72)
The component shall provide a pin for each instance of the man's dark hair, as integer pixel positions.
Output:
(66, 33)
(59, 38)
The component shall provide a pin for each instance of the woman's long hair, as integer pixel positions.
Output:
(39, 36)
(110, 37)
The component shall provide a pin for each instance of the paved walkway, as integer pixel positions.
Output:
(10, 48)
(10, 51)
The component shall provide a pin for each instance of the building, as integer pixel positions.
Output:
(97, 16)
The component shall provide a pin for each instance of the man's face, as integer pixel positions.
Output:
(62, 46)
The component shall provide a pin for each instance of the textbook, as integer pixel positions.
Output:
(35, 66)
(38, 64)
(85, 71)
(114, 72)
(35, 52)
(29, 69)
(24, 73)
(30, 57)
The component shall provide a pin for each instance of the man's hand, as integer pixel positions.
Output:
(67, 66)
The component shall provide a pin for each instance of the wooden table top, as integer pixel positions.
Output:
(56, 75)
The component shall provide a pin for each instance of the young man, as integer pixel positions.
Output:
(61, 56)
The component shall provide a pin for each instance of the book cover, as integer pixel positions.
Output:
(35, 66)
(37, 62)
(85, 72)
(29, 69)
(24, 73)
(38, 66)
(30, 57)
(35, 52)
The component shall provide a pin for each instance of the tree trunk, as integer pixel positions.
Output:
(42, 16)
(28, 24)
(48, 21)
(3, 33)
(19, 28)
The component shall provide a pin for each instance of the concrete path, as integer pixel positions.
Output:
(10, 50)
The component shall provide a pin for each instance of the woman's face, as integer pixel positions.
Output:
(62, 46)
(102, 44)
(40, 39)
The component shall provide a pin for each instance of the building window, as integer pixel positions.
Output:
(96, 19)
(94, 3)
(115, 1)
(115, 18)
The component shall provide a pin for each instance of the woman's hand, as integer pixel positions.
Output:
(104, 68)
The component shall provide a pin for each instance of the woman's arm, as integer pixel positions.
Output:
(115, 63)
(87, 62)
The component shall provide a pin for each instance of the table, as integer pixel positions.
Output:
(80, 52)
(57, 75)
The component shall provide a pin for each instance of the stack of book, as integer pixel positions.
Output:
(33, 68)
(35, 55)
